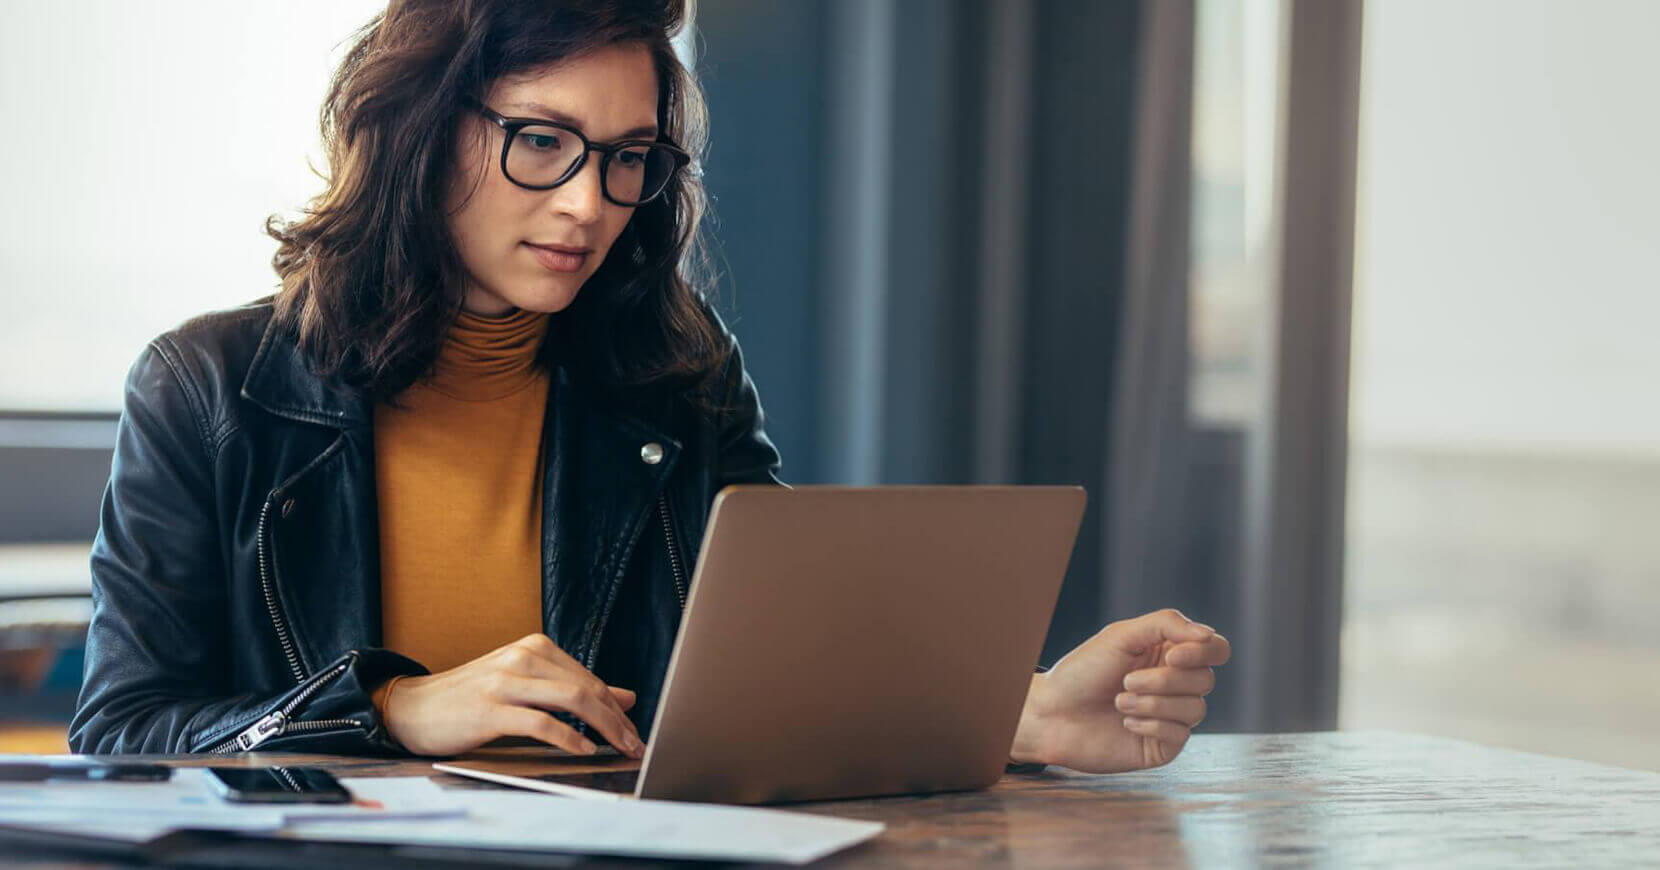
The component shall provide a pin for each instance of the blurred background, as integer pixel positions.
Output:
(1338, 310)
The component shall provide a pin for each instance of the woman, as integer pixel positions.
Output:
(443, 487)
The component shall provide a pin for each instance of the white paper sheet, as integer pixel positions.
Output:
(415, 810)
(654, 829)
(138, 811)
(139, 827)
(187, 791)
(384, 798)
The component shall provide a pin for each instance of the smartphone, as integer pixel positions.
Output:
(278, 785)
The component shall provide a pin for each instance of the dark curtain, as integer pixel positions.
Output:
(923, 211)
(955, 240)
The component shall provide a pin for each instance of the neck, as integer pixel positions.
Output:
(483, 304)
(489, 357)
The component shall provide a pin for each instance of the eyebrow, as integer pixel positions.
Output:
(646, 132)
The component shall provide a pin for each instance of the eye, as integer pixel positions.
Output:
(542, 139)
(633, 158)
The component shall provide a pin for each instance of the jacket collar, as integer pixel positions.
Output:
(280, 381)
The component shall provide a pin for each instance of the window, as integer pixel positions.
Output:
(147, 143)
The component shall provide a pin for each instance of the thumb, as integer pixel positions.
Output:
(1145, 632)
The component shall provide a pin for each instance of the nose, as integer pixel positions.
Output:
(581, 197)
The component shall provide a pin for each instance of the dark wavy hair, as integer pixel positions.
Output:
(370, 276)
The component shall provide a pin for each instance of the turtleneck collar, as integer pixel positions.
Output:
(486, 358)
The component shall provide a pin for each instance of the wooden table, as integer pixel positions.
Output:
(1348, 799)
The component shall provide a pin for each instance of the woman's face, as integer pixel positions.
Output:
(608, 94)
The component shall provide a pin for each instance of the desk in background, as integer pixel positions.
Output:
(59, 570)
(1333, 799)
(45, 602)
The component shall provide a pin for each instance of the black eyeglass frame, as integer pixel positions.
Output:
(512, 126)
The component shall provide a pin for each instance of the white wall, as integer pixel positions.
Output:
(145, 144)
(1508, 268)
(1502, 568)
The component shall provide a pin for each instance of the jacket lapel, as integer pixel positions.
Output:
(598, 490)
(279, 381)
(325, 550)
(598, 494)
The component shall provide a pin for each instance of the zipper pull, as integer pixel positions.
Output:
(261, 731)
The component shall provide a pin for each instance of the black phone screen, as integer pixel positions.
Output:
(279, 785)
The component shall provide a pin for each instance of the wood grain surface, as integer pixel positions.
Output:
(1344, 799)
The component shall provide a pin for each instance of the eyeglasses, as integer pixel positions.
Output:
(541, 155)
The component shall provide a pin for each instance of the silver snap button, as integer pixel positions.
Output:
(652, 453)
(287, 508)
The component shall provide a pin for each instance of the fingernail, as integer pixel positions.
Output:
(635, 746)
(588, 747)
(1126, 701)
(1134, 722)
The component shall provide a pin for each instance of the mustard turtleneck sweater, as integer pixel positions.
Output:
(458, 478)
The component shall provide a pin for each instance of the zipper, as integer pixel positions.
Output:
(277, 723)
(588, 660)
(674, 551)
(267, 585)
(679, 584)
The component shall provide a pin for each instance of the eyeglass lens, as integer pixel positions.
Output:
(539, 156)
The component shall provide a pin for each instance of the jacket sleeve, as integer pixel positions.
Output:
(157, 677)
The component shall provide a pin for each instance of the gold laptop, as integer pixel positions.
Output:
(847, 642)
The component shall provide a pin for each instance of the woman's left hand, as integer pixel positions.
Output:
(1126, 699)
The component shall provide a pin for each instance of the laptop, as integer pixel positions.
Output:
(844, 642)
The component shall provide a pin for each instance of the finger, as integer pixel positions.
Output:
(524, 722)
(1171, 735)
(1170, 681)
(1214, 650)
(541, 646)
(536, 656)
(597, 708)
(1136, 636)
(1189, 710)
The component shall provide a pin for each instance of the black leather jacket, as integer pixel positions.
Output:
(236, 574)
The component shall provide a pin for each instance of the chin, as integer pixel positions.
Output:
(548, 297)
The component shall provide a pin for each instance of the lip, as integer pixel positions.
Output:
(563, 249)
(561, 258)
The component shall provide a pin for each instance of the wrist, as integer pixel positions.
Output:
(381, 699)
(1030, 745)
(382, 694)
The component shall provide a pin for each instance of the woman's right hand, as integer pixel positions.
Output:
(509, 692)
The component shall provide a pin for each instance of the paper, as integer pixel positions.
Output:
(384, 798)
(138, 827)
(186, 792)
(139, 811)
(415, 810)
(650, 829)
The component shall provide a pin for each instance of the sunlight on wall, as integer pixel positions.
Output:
(1505, 469)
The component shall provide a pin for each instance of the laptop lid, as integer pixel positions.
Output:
(855, 641)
